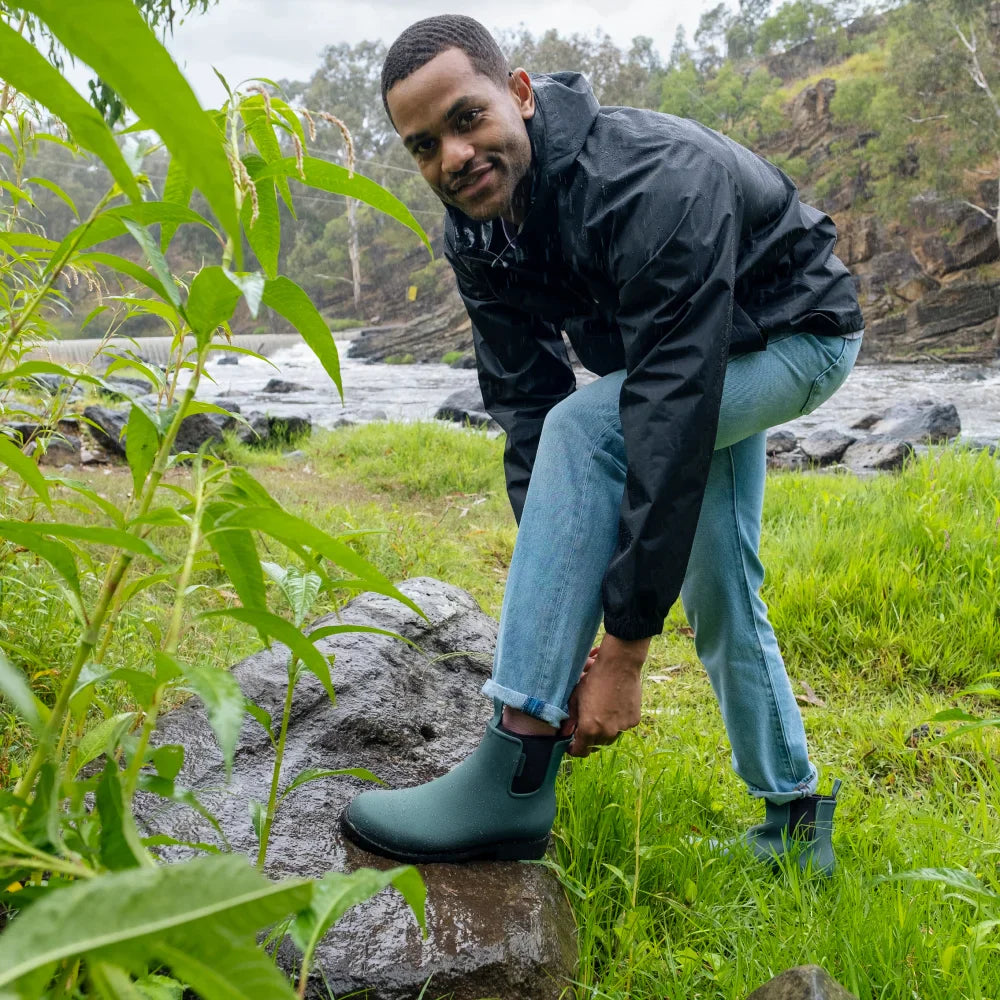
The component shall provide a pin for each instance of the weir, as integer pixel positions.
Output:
(154, 350)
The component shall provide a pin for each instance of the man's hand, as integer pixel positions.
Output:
(607, 700)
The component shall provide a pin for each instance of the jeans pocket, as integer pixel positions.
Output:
(834, 375)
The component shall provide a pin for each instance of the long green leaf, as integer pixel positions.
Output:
(211, 302)
(26, 468)
(57, 555)
(130, 915)
(336, 179)
(238, 554)
(141, 444)
(336, 893)
(224, 705)
(154, 255)
(27, 70)
(120, 847)
(97, 535)
(112, 982)
(270, 626)
(104, 736)
(115, 41)
(264, 234)
(290, 301)
(124, 266)
(177, 188)
(316, 773)
(294, 531)
(14, 687)
(226, 967)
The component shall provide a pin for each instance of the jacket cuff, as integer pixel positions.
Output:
(627, 628)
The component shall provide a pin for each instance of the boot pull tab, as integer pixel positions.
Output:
(836, 788)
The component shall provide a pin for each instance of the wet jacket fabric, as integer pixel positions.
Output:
(661, 247)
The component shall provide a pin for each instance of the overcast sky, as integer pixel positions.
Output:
(283, 38)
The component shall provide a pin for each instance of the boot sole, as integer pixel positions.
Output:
(506, 850)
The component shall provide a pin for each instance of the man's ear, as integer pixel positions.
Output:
(522, 92)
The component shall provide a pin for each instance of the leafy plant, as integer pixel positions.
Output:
(93, 909)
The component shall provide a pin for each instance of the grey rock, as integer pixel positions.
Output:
(295, 456)
(465, 361)
(793, 460)
(877, 455)
(805, 982)
(465, 407)
(54, 384)
(867, 422)
(825, 447)
(123, 387)
(924, 422)
(108, 427)
(229, 359)
(60, 450)
(256, 430)
(278, 385)
(288, 429)
(779, 442)
(199, 429)
(408, 715)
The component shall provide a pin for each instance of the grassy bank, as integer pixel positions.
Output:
(884, 595)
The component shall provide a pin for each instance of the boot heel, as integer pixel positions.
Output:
(522, 850)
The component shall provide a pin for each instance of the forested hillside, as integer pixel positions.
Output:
(888, 118)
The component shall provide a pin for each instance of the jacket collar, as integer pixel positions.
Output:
(565, 109)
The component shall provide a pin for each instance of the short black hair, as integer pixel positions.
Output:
(428, 38)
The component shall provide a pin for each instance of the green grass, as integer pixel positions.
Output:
(884, 596)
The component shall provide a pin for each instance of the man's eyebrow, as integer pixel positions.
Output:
(457, 107)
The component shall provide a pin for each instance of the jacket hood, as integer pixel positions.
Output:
(565, 109)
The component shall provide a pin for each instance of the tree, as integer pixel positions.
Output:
(157, 13)
(618, 77)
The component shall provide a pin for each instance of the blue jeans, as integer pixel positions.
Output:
(568, 533)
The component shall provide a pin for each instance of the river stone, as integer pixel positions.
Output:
(805, 982)
(825, 447)
(278, 385)
(408, 715)
(923, 422)
(465, 407)
(779, 442)
(794, 460)
(108, 427)
(877, 455)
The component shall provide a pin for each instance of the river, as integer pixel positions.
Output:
(414, 392)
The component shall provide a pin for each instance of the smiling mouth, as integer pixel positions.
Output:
(472, 184)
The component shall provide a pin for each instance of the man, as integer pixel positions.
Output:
(690, 278)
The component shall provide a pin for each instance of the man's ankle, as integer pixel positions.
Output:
(516, 721)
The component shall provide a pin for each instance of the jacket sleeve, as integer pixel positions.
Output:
(673, 258)
(524, 371)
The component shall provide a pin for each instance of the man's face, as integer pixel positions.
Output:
(467, 134)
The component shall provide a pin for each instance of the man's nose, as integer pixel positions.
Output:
(456, 152)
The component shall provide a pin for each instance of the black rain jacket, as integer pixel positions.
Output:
(661, 247)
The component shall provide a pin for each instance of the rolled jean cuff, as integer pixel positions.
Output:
(530, 706)
(805, 787)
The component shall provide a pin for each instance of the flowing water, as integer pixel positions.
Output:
(414, 392)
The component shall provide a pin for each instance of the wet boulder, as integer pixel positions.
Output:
(465, 407)
(408, 713)
(922, 422)
(279, 386)
(805, 982)
(824, 447)
(876, 454)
